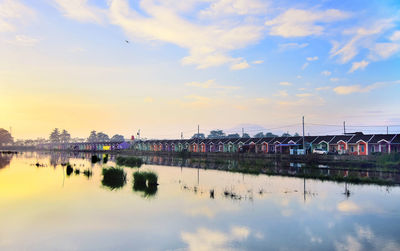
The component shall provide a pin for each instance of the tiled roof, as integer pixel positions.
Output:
(376, 138)
(359, 137)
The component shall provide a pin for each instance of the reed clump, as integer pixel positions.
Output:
(146, 182)
(70, 170)
(95, 159)
(129, 161)
(113, 177)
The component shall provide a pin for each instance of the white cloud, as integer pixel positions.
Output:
(240, 66)
(322, 88)
(303, 95)
(282, 93)
(26, 40)
(285, 83)
(395, 36)
(211, 84)
(358, 65)
(300, 23)
(12, 12)
(289, 46)
(334, 79)
(326, 73)
(312, 58)
(80, 10)
(234, 7)
(345, 90)
(305, 65)
(208, 45)
(206, 239)
(365, 38)
(258, 62)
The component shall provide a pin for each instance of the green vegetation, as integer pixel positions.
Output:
(146, 182)
(129, 161)
(88, 173)
(70, 170)
(105, 159)
(114, 178)
(95, 159)
(389, 160)
(77, 171)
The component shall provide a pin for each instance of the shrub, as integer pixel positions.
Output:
(129, 161)
(113, 178)
(70, 170)
(95, 159)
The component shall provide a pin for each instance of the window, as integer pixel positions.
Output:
(352, 149)
(362, 148)
(373, 149)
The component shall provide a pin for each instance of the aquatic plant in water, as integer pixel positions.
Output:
(113, 178)
(95, 159)
(146, 182)
(69, 170)
(129, 161)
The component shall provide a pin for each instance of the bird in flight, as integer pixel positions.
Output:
(127, 41)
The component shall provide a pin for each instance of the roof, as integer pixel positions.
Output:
(376, 138)
(396, 139)
(338, 138)
(359, 137)
(326, 139)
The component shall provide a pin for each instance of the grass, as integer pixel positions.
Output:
(388, 160)
(129, 161)
(146, 182)
(95, 159)
(114, 178)
(70, 170)
(88, 173)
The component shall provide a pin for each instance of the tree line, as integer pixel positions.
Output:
(64, 137)
(218, 134)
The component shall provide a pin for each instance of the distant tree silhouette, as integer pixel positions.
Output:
(269, 134)
(286, 134)
(92, 137)
(296, 134)
(102, 137)
(246, 136)
(55, 136)
(117, 138)
(198, 136)
(233, 136)
(259, 135)
(216, 134)
(65, 137)
(5, 137)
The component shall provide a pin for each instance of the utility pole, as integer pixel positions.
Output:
(198, 138)
(344, 127)
(304, 142)
(181, 135)
(138, 134)
(242, 132)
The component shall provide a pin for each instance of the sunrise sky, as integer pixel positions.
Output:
(217, 63)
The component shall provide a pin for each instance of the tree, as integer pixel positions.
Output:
(117, 138)
(102, 137)
(259, 135)
(246, 136)
(216, 134)
(286, 134)
(65, 137)
(233, 136)
(92, 137)
(55, 136)
(296, 134)
(5, 137)
(198, 136)
(269, 134)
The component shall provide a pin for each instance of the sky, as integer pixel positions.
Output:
(166, 66)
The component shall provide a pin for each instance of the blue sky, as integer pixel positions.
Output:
(217, 63)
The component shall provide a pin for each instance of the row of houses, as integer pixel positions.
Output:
(355, 144)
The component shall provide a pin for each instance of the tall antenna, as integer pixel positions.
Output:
(304, 142)
(344, 127)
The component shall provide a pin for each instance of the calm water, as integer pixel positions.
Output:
(41, 208)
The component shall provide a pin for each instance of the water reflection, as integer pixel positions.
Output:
(5, 160)
(273, 212)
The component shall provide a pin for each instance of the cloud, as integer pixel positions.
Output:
(348, 207)
(211, 84)
(312, 58)
(289, 46)
(240, 66)
(148, 100)
(334, 79)
(395, 36)
(12, 12)
(326, 73)
(234, 7)
(365, 37)
(262, 100)
(209, 45)
(305, 65)
(282, 93)
(26, 40)
(322, 88)
(358, 65)
(80, 10)
(206, 239)
(303, 95)
(345, 90)
(285, 83)
(301, 23)
(258, 62)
